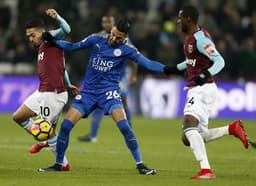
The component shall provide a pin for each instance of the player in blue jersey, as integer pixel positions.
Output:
(107, 22)
(202, 62)
(109, 54)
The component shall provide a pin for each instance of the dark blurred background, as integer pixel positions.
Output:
(232, 24)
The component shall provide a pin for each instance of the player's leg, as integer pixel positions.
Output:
(127, 110)
(191, 134)
(97, 116)
(72, 117)
(196, 110)
(119, 117)
(236, 129)
(23, 115)
(82, 106)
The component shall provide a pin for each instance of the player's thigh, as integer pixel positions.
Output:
(23, 113)
(29, 108)
(200, 102)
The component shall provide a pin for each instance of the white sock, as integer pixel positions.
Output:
(198, 147)
(27, 124)
(215, 133)
(52, 144)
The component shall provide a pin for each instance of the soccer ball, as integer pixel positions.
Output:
(41, 129)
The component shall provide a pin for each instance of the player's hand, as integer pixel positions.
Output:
(52, 13)
(46, 36)
(73, 89)
(172, 70)
(202, 78)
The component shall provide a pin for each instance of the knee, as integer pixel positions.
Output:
(15, 117)
(190, 121)
(185, 140)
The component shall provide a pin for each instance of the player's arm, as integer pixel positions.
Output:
(69, 46)
(177, 69)
(134, 70)
(207, 48)
(73, 89)
(149, 64)
(64, 26)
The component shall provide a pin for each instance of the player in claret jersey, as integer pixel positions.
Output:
(109, 54)
(202, 62)
(51, 96)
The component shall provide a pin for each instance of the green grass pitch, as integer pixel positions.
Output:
(109, 163)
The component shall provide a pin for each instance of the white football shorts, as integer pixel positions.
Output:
(48, 105)
(200, 102)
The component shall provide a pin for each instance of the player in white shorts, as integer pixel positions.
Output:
(202, 62)
(48, 101)
(48, 105)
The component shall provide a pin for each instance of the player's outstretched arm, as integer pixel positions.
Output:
(64, 26)
(150, 64)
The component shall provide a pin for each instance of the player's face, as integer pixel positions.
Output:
(116, 37)
(183, 22)
(34, 36)
(107, 23)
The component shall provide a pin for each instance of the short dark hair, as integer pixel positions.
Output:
(35, 22)
(123, 25)
(190, 11)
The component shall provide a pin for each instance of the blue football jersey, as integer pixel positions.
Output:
(107, 62)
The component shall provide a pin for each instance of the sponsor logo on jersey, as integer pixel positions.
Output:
(191, 62)
(209, 49)
(190, 48)
(40, 56)
(117, 52)
(102, 64)
(98, 46)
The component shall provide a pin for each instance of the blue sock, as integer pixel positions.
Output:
(129, 116)
(130, 140)
(63, 139)
(97, 116)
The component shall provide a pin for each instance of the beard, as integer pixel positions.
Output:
(184, 28)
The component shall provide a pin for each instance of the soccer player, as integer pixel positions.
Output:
(107, 22)
(48, 101)
(109, 54)
(202, 62)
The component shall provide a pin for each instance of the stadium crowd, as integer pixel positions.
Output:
(232, 24)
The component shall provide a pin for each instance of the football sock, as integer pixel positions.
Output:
(52, 142)
(63, 140)
(215, 133)
(130, 140)
(27, 124)
(129, 116)
(97, 116)
(198, 147)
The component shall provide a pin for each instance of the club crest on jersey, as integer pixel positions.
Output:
(98, 46)
(190, 48)
(78, 97)
(117, 52)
